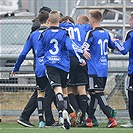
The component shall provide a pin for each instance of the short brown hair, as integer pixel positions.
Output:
(96, 14)
(68, 18)
(43, 17)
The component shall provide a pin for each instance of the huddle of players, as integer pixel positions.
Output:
(77, 51)
(90, 78)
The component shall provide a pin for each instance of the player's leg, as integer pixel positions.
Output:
(55, 75)
(81, 82)
(28, 110)
(67, 108)
(72, 82)
(41, 86)
(99, 94)
(48, 99)
(130, 102)
(93, 109)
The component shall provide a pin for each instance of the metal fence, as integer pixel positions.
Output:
(16, 91)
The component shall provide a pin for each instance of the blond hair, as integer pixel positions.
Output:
(54, 17)
(83, 19)
(96, 14)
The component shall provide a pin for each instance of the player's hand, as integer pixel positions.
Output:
(13, 73)
(83, 63)
(87, 55)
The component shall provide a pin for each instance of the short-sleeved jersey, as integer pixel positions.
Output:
(31, 43)
(126, 47)
(98, 41)
(54, 45)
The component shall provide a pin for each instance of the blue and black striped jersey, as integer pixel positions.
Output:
(98, 40)
(31, 43)
(54, 44)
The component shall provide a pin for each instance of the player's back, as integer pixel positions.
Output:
(56, 52)
(98, 39)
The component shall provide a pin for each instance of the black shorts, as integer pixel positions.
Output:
(78, 74)
(41, 83)
(130, 82)
(97, 83)
(57, 77)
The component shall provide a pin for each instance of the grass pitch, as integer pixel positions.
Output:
(16, 128)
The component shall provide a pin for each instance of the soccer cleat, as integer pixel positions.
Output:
(129, 125)
(67, 123)
(41, 124)
(112, 123)
(24, 123)
(89, 123)
(78, 116)
(72, 118)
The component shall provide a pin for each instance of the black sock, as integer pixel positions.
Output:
(67, 105)
(73, 101)
(60, 103)
(77, 99)
(88, 106)
(103, 104)
(40, 108)
(83, 105)
(93, 106)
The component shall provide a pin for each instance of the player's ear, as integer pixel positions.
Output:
(48, 19)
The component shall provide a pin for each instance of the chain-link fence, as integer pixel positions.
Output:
(16, 91)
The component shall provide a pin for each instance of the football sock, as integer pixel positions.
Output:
(93, 106)
(67, 105)
(60, 103)
(73, 101)
(77, 99)
(103, 104)
(40, 108)
(83, 105)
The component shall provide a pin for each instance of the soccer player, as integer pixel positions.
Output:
(78, 74)
(49, 94)
(54, 45)
(41, 79)
(97, 41)
(124, 49)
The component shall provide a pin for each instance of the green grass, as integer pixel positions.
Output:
(15, 128)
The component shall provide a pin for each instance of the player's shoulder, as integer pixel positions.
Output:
(130, 32)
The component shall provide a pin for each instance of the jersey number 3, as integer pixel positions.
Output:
(55, 46)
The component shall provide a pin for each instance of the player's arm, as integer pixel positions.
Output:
(72, 48)
(22, 56)
(126, 46)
